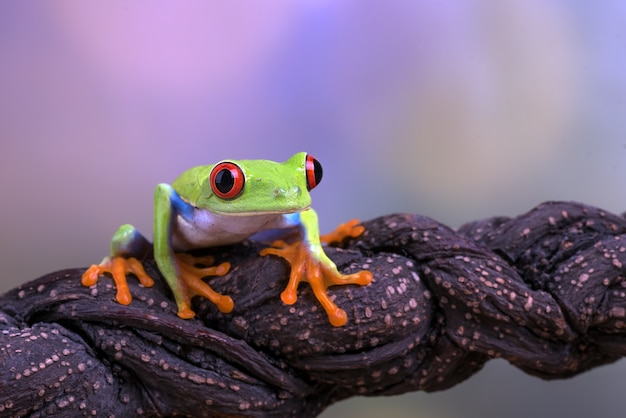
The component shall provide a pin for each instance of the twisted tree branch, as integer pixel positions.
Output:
(546, 291)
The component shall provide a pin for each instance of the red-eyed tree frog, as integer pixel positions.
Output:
(226, 203)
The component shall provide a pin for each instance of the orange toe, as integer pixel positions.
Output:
(192, 276)
(320, 274)
(118, 268)
(350, 229)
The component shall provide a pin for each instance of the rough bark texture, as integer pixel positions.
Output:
(546, 291)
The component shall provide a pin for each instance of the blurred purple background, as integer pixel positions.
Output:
(456, 110)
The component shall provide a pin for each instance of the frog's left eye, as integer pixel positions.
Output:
(227, 180)
(313, 172)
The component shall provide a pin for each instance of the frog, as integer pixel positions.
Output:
(223, 204)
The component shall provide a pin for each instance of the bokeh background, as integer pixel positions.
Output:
(457, 110)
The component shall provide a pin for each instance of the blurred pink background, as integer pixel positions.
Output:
(456, 110)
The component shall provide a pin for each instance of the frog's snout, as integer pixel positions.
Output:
(289, 193)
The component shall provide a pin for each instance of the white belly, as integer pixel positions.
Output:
(208, 229)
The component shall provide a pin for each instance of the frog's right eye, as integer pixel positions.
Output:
(313, 172)
(227, 180)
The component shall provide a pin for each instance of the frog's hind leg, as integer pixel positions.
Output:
(128, 246)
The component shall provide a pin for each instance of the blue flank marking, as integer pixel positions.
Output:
(292, 219)
(133, 245)
(181, 207)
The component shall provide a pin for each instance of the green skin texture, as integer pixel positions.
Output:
(273, 191)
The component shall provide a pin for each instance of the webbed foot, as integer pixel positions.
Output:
(191, 276)
(118, 268)
(350, 229)
(313, 266)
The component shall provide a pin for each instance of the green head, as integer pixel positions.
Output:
(249, 187)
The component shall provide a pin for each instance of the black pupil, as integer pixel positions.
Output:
(317, 171)
(224, 180)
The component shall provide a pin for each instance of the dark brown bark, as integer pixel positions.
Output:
(545, 291)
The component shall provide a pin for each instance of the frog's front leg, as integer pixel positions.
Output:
(128, 246)
(181, 275)
(309, 263)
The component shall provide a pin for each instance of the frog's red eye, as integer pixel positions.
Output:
(313, 172)
(227, 180)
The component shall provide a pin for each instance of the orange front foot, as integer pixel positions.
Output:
(118, 268)
(191, 276)
(350, 229)
(319, 271)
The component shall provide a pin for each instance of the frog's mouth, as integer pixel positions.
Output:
(262, 212)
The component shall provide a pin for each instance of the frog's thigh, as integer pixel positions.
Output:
(129, 242)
